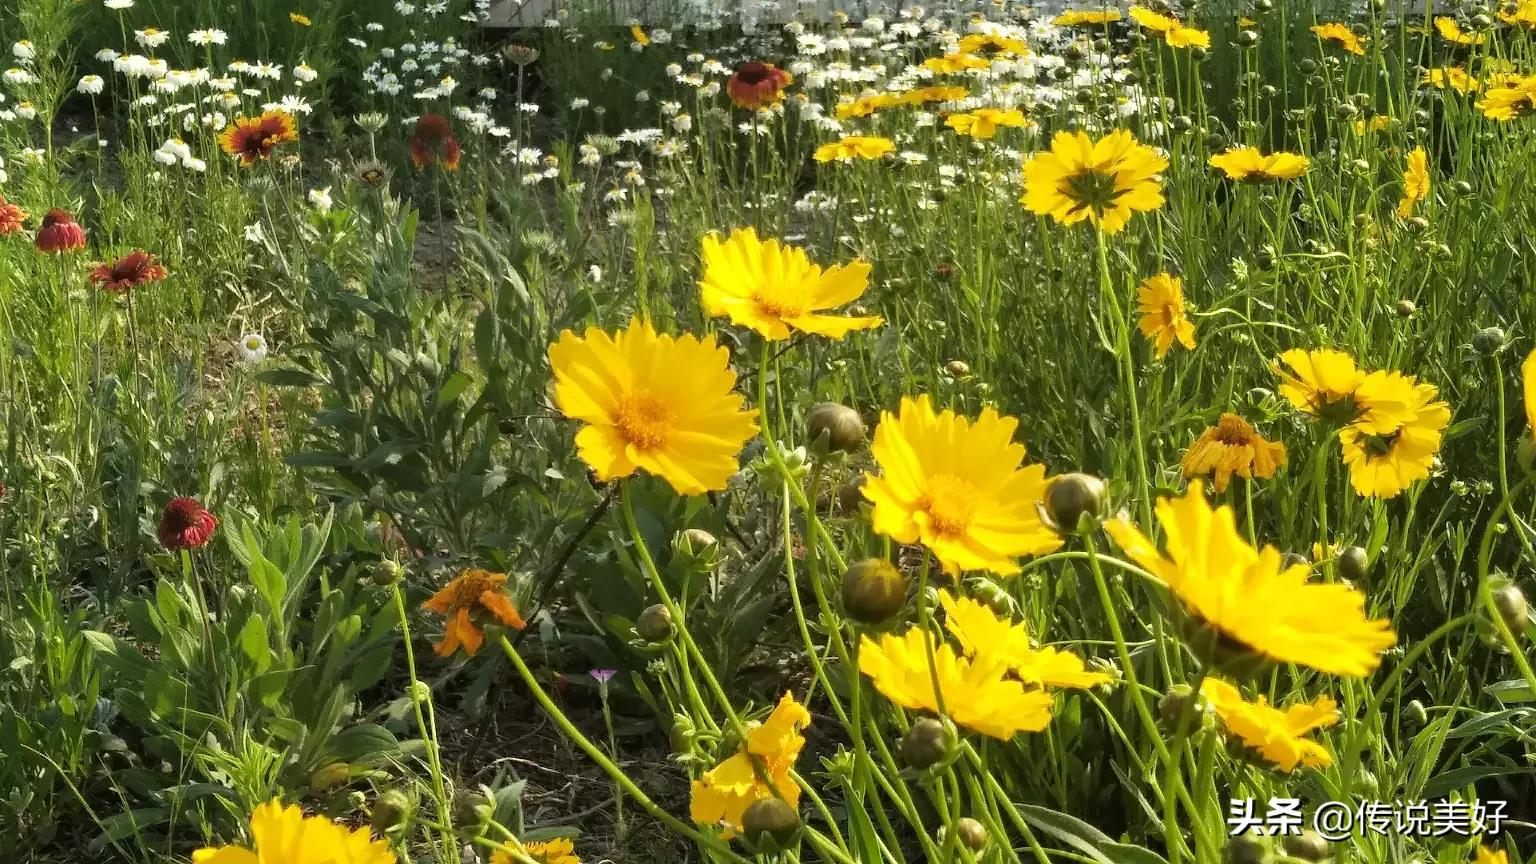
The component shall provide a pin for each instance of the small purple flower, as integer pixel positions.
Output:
(603, 675)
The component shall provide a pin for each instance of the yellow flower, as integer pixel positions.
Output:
(852, 147)
(1086, 17)
(284, 835)
(981, 632)
(1523, 15)
(471, 590)
(775, 289)
(299, 19)
(1274, 734)
(640, 37)
(1232, 447)
(1383, 464)
(1528, 389)
(950, 64)
(1160, 302)
(1374, 124)
(926, 95)
(1105, 181)
(991, 45)
(1328, 385)
(1486, 855)
(1173, 30)
(1340, 35)
(975, 693)
(1248, 163)
(724, 792)
(984, 122)
(1450, 31)
(652, 402)
(957, 488)
(865, 106)
(557, 851)
(1513, 99)
(1453, 77)
(1245, 599)
(1415, 182)
(1245, 21)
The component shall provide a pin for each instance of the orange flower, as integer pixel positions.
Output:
(757, 85)
(253, 138)
(433, 141)
(12, 217)
(457, 599)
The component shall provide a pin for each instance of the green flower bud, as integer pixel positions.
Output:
(928, 742)
(770, 824)
(1510, 601)
(386, 573)
(1182, 704)
(850, 496)
(655, 623)
(1488, 341)
(696, 549)
(957, 368)
(390, 811)
(683, 733)
(1245, 849)
(472, 809)
(1405, 308)
(1414, 715)
(1354, 564)
(330, 776)
(1071, 497)
(971, 834)
(874, 590)
(1308, 846)
(834, 428)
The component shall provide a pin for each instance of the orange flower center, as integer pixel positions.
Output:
(950, 504)
(468, 588)
(643, 421)
(776, 305)
(1234, 431)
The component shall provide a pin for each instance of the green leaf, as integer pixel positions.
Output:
(316, 459)
(1446, 782)
(1084, 838)
(254, 644)
(1514, 690)
(449, 393)
(364, 744)
(289, 377)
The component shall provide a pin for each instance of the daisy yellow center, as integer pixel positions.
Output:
(950, 504)
(778, 304)
(1094, 190)
(643, 420)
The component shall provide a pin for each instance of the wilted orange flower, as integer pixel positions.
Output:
(1232, 447)
(59, 233)
(473, 589)
(253, 138)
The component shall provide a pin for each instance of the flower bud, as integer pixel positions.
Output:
(874, 590)
(1308, 66)
(833, 427)
(386, 573)
(682, 734)
(1292, 559)
(1246, 38)
(1070, 497)
(928, 742)
(850, 496)
(1308, 846)
(520, 55)
(330, 776)
(770, 824)
(1480, 21)
(655, 623)
(1510, 601)
(957, 368)
(971, 833)
(1414, 715)
(472, 809)
(1405, 308)
(1488, 341)
(1461, 187)
(697, 549)
(390, 811)
(1181, 704)
(1354, 564)
(1245, 849)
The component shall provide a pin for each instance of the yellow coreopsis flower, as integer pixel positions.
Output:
(1453, 77)
(1528, 389)
(1230, 447)
(1415, 182)
(929, 95)
(300, 19)
(1104, 182)
(652, 402)
(284, 835)
(1510, 100)
(950, 64)
(1252, 165)
(1173, 31)
(1245, 599)
(1160, 303)
(1523, 14)
(958, 488)
(984, 122)
(1340, 35)
(775, 289)
(1086, 17)
(1486, 855)
(1328, 385)
(1274, 735)
(865, 106)
(724, 792)
(558, 851)
(639, 35)
(1450, 31)
(1374, 124)
(981, 631)
(975, 693)
(851, 147)
(991, 45)
(1383, 464)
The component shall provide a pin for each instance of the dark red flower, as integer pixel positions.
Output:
(185, 525)
(433, 142)
(11, 217)
(756, 85)
(60, 233)
(130, 271)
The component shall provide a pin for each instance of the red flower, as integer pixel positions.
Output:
(130, 271)
(757, 85)
(252, 138)
(11, 217)
(60, 233)
(433, 141)
(185, 525)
